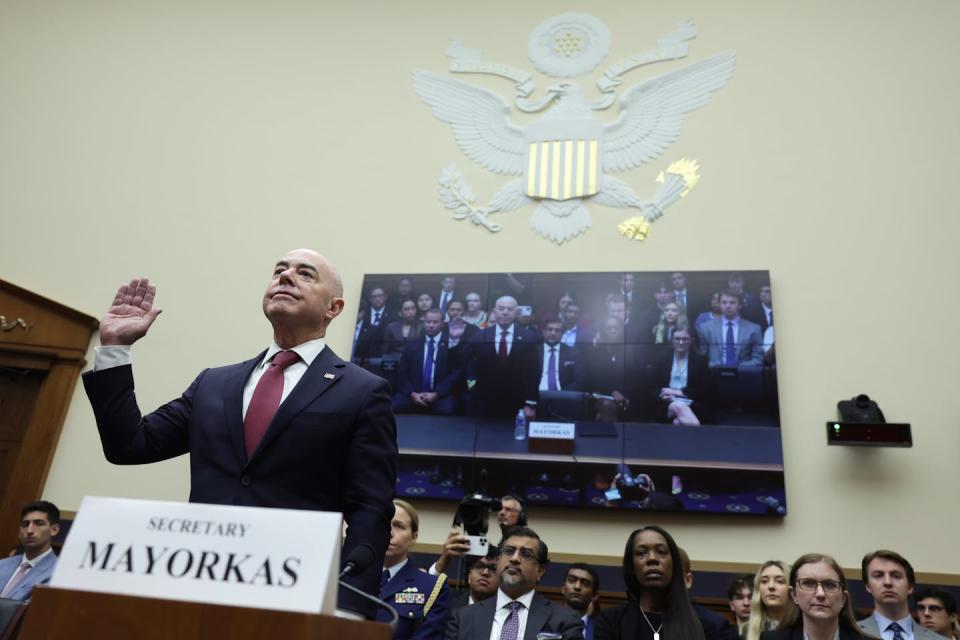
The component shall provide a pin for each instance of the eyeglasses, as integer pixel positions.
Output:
(528, 555)
(932, 608)
(480, 567)
(828, 586)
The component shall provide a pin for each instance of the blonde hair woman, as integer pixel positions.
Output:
(771, 601)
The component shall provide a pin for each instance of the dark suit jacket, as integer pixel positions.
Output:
(715, 626)
(796, 633)
(502, 387)
(476, 621)
(699, 379)
(369, 342)
(332, 445)
(447, 372)
(420, 621)
(571, 372)
(393, 340)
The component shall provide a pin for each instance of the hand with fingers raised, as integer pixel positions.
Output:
(129, 317)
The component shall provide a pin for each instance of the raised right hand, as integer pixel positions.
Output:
(129, 317)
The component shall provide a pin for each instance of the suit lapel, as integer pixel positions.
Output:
(537, 618)
(233, 405)
(325, 370)
(483, 617)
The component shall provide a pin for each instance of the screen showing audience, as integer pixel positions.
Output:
(625, 390)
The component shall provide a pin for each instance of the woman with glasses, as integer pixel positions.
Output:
(823, 610)
(771, 601)
(659, 607)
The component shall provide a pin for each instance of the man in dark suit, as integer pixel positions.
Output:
(715, 626)
(482, 581)
(517, 612)
(294, 427)
(557, 366)
(501, 365)
(19, 574)
(581, 593)
(429, 371)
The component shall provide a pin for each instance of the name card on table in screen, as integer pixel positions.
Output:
(281, 559)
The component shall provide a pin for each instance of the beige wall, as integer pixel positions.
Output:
(194, 142)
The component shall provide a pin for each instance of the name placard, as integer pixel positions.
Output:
(553, 430)
(243, 556)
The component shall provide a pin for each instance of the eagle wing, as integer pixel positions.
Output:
(651, 113)
(479, 119)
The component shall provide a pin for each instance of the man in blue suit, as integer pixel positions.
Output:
(429, 371)
(294, 427)
(39, 524)
(420, 599)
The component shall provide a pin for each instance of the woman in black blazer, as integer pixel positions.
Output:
(823, 612)
(659, 607)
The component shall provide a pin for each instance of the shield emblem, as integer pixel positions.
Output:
(563, 159)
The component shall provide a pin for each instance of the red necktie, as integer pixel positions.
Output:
(502, 350)
(266, 400)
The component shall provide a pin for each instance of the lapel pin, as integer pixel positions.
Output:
(329, 376)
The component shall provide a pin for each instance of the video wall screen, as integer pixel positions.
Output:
(656, 390)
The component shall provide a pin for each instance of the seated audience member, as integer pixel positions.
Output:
(475, 314)
(659, 605)
(688, 301)
(731, 341)
(557, 365)
(581, 592)
(715, 626)
(574, 333)
(395, 300)
(428, 372)
(823, 610)
(762, 313)
(525, 318)
(446, 294)
(457, 329)
(482, 581)
(517, 611)
(670, 320)
(739, 594)
(712, 314)
(683, 382)
(937, 611)
(398, 332)
(738, 284)
(420, 599)
(367, 339)
(605, 366)
(424, 304)
(556, 313)
(649, 315)
(771, 601)
(19, 574)
(377, 307)
(502, 363)
(627, 287)
(889, 578)
(512, 513)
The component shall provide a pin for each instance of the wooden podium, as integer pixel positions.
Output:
(66, 613)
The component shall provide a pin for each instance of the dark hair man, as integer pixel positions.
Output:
(517, 611)
(715, 626)
(512, 514)
(429, 372)
(293, 427)
(580, 592)
(39, 524)
(889, 578)
(738, 594)
(482, 580)
(731, 341)
(558, 367)
(937, 611)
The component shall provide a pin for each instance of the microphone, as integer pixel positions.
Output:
(358, 561)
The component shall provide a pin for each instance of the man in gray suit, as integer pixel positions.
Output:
(39, 523)
(517, 612)
(731, 341)
(889, 578)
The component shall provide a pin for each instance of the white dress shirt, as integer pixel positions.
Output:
(426, 349)
(502, 612)
(679, 373)
(544, 378)
(119, 355)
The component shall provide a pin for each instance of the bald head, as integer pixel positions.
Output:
(303, 297)
(505, 310)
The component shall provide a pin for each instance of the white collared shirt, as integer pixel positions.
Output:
(376, 315)
(570, 337)
(496, 338)
(502, 612)
(679, 372)
(32, 563)
(118, 355)
(395, 569)
(883, 623)
(544, 378)
(767, 311)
